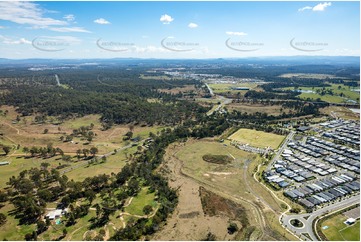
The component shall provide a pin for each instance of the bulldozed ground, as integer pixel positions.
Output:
(212, 196)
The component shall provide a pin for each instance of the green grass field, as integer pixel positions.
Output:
(18, 164)
(257, 138)
(114, 164)
(338, 231)
(142, 199)
(337, 89)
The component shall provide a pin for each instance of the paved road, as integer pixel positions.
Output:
(280, 149)
(308, 218)
(210, 89)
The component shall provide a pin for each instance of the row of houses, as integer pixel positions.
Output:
(324, 191)
(303, 163)
(334, 148)
(337, 123)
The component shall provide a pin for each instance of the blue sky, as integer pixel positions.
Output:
(178, 29)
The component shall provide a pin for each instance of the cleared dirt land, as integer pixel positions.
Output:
(257, 138)
(211, 196)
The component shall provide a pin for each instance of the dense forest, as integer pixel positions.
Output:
(120, 96)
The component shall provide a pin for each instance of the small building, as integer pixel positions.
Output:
(57, 213)
(303, 128)
(350, 221)
(4, 163)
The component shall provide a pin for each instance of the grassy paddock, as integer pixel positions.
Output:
(338, 231)
(142, 199)
(257, 138)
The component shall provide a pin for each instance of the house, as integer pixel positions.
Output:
(57, 213)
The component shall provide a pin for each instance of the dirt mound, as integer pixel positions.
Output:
(217, 159)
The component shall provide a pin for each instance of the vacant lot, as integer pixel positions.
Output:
(341, 112)
(254, 108)
(338, 231)
(257, 138)
(187, 171)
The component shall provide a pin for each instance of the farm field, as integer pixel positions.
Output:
(257, 138)
(338, 231)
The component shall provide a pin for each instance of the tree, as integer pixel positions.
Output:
(147, 209)
(210, 237)
(41, 226)
(44, 165)
(6, 149)
(232, 227)
(104, 158)
(2, 219)
(25, 150)
(85, 152)
(93, 150)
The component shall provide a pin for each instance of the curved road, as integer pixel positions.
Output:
(308, 218)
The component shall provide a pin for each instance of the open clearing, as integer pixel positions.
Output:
(257, 138)
(341, 112)
(254, 108)
(226, 87)
(338, 231)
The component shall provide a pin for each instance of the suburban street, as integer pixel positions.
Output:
(308, 218)
(280, 149)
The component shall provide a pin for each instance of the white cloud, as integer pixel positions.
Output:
(236, 33)
(318, 7)
(166, 19)
(304, 8)
(192, 25)
(321, 6)
(26, 13)
(9, 41)
(2, 27)
(101, 21)
(70, 29)
(69, 17)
